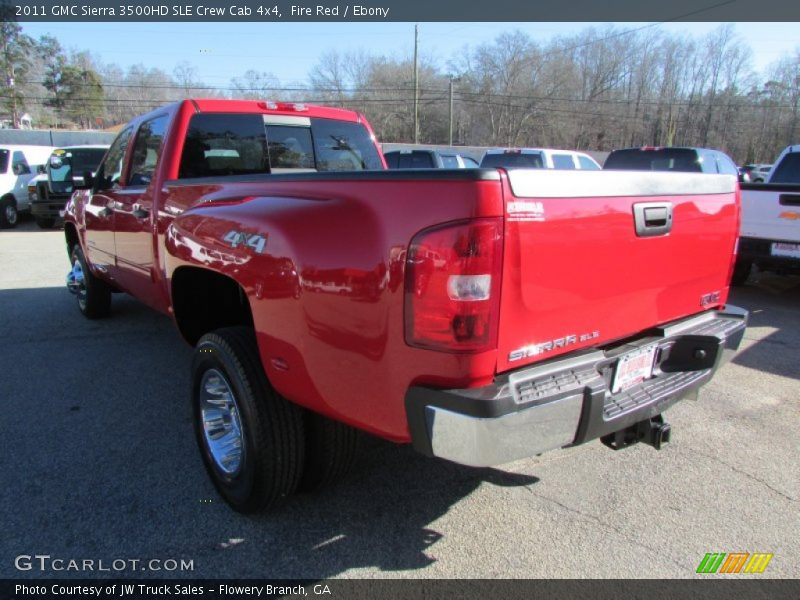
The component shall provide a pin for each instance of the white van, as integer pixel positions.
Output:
(18, 165)
(538, 158)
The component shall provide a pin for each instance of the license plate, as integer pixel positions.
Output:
(633, 367)
(786, 250)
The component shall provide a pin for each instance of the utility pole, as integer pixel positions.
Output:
(416, 85)
(451, 110)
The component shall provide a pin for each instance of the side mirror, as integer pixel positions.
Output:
(84, 183)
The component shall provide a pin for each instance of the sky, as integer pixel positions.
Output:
(219, 52)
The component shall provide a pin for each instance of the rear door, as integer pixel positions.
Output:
(596, 256)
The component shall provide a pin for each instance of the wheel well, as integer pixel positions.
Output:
(71, 235)
(11, 197)
(204, 301)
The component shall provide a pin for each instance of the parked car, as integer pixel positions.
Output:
(18, 165)
(672, 158)
(48, 192)
(758, 172)
(538, 158)
(770, 230)
(481, 316)
(427, 159)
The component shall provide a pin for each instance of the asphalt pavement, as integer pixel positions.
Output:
(99, 463)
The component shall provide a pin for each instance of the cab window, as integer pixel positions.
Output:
(146, 151)
(110, 172)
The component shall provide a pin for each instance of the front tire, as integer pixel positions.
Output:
(94, 295)
(251, 439)
(8, 213)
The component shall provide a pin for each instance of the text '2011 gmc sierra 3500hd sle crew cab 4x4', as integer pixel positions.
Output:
(483, 315)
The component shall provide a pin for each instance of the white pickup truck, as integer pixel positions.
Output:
(770, 230)
(18, 165)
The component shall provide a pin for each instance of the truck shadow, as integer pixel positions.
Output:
(105, 464)
(383, 516)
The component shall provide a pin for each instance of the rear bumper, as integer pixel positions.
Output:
(759, 252)
(568, 401)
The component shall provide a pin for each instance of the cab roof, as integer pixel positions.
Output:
(273, 107)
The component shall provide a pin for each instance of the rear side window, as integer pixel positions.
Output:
(236, 144)
(513, 159)
(220, 144)
(563, 161)
(664, 159)
(587, 163)
(788, 170)
(3, 161)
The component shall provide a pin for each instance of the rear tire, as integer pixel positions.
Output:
(235, 407)
(331, 450)
(94, 300)
(45, 223)
(741, 272)
(8, 213)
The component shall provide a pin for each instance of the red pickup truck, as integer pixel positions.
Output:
(483, 315)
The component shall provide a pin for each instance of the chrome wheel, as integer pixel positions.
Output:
(76, 283)
(222, 426)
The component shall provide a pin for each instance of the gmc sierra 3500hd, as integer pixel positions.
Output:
(483, 315)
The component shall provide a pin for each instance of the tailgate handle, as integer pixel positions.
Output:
(789, 200)
(652, 218)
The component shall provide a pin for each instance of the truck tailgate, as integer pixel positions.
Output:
(577, 273)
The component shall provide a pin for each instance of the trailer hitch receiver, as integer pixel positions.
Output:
(654, 431)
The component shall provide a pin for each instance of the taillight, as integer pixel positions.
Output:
(453, 286)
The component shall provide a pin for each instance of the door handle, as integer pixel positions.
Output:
(652, 218)
(139, 212)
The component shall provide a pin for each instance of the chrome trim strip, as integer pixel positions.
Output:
(551, 183)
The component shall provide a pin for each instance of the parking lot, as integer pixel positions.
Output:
(99, 462)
